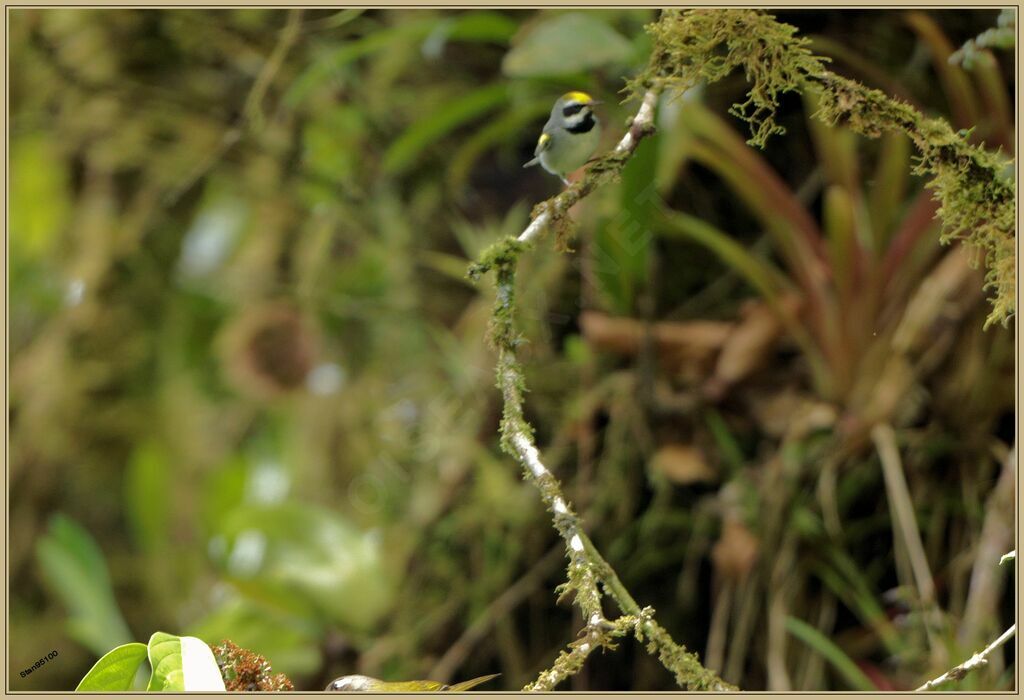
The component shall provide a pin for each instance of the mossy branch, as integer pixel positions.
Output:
(974, 187)
(588, 572)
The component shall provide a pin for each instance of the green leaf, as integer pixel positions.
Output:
(888, 189)
(115, 670)
(573, 42)
(425, 131)
(182, 663)
(760, 274)
(622, 247)
(331, 63)
(832, 653)
(308, 560)
(483, 26)
(74, 567)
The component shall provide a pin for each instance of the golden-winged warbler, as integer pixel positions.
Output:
(569, 137)
(373, 685)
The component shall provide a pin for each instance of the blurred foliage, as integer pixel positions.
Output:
(250, 397)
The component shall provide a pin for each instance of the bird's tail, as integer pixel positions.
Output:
(466, 685)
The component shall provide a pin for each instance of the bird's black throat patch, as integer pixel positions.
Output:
(585, 125)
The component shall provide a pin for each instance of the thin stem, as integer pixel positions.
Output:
(978, 660)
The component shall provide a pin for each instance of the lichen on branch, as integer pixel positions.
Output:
(588, 572)
(706, 45)
(975, 187)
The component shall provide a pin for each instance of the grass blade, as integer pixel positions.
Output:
(842, 663)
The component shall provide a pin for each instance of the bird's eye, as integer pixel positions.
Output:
(572, 109)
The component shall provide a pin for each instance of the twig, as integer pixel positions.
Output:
(902, 507)
(587, 568)
(980, 659)
(987, 581)
(252, 114)
(571, 662)
(253, 108)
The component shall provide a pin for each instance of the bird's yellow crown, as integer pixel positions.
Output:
(576, 96)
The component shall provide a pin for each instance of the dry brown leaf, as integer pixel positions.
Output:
(683, 464)
(683, 347)
(747, 347)
(791, 414)
(736, 551)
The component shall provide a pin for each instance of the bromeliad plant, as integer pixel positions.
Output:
(870, 275)
(973, 186)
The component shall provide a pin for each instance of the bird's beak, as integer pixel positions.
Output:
(594, 103)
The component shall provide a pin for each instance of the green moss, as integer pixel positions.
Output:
(976, 196)
(706, 45)
(501, 254)
(971, 184)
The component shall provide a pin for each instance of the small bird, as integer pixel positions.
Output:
(373, 685)
(569, 137)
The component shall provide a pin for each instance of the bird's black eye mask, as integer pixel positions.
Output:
(570, 110)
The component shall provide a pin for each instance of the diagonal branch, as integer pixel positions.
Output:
(588, 571)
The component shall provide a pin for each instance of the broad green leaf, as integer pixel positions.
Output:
(483, 26)
(429, 128)
(568, 43)
(307, 560)
(331, 64)
(832, 653)
(836, 147)
(840, 231)
(75, 569)
(888, 189)
(116, 669)
(182, 663)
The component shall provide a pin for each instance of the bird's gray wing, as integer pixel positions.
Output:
(543, 144)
